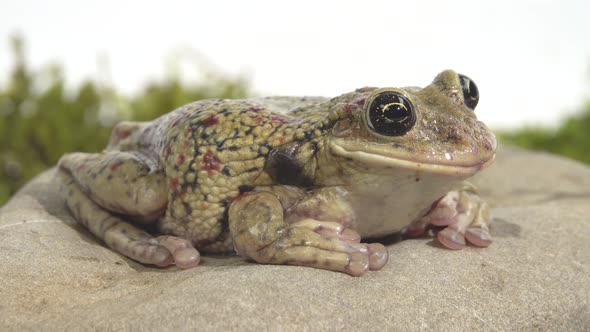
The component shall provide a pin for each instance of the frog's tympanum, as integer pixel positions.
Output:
(289, 180)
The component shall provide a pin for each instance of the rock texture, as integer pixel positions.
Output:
(536, 275)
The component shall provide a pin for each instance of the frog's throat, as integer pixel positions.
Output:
(377, 160)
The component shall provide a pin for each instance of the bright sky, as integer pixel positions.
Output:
(530, 58)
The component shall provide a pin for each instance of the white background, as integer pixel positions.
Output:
(530, 59)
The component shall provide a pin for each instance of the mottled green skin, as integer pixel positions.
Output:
(282, 180)
(209, 149)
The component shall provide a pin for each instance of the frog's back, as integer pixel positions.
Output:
(211, 120)
(211, 150)
(229, 124)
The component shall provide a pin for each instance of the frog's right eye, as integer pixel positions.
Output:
(391, 114)
(470, 91)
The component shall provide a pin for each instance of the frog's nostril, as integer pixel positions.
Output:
(470, 91)
(453, 136)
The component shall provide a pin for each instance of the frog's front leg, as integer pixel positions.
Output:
(275, 225)
(465, 216)
(100, 188)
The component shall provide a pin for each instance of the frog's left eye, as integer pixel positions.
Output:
(470, 91)
(391, 114)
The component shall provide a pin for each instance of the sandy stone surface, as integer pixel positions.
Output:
(536, 276)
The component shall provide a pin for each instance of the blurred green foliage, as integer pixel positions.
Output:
(570, 139)
(40, 120)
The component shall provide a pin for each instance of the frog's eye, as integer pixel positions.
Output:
(391, 114)
(470, 91)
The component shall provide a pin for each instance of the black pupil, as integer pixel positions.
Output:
(470, 91)
(391, 114)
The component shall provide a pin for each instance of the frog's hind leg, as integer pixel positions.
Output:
(259, 230)
(464, 216)
(99, 188)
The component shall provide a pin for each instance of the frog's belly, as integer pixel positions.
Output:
(386, 205)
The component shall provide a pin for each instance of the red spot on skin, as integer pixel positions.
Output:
(277, 119)
(211, 163)
(115, 165)
(180, 159)
(259, 120)
(242, 196)
(212, 120)
(281, 139)
(173, 183)
(256, 108)
(122, 133)
(182, 194)
(348, 109)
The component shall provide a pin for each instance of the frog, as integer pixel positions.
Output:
(290, 180)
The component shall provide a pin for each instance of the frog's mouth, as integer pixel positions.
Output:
(465, 168)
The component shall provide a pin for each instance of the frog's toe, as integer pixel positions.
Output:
(444, 211)
(147, 251)
(357, 264)
(451, 238)
(329, 229)
(350, 235)
(186, 258)
(378, 256)
(478, 232)
(376, 252)
(464, 216)
(456, 236)
(182, 252)
(470, 226)
(162, 251)
(323, 254)
(354, 264)
(478, 236)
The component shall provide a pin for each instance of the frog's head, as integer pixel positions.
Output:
(430, 130)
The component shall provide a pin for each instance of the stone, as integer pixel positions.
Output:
(535, 276)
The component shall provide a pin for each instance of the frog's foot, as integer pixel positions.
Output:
(320, 244)
(466, 217)
(325, 245)
(140, 246)
(160, 251)
(345, 240)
